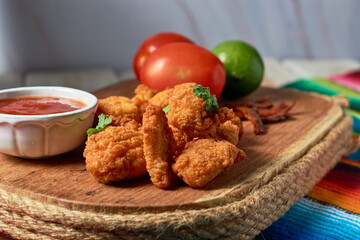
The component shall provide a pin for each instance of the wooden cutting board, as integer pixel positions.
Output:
(64, 181)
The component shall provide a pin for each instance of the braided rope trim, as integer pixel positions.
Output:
(24, 218)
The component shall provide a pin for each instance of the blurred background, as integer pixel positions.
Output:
(38, 35)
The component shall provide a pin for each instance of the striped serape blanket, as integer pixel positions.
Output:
(332, 208)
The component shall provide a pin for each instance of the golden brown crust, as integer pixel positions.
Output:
(230, 127)
(115, 154)
(203, 159)
(143, 139)
(187, 112)
(142, 96)
(119, 107)
(126, 122)
(181, 139)
(162, 98)
(159, 146)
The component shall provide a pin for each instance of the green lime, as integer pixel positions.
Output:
(244, 68)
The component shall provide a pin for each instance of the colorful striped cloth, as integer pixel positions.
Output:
(332, 209)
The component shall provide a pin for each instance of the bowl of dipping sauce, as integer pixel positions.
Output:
(40, 122)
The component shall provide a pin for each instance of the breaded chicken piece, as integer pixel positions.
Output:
(159, 146)
(230, 127)
(142, 96)
(203, 159)
(187, 112)
(115, 154)
(118, 107)
(126, 122)
(162, 98)
(131, 124)
(184, 86)
(181, 139)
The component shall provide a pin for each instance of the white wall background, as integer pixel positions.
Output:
(70, 34)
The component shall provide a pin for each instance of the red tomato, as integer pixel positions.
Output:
(178, 63)
(151, 44)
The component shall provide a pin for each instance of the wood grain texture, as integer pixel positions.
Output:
(63, 180)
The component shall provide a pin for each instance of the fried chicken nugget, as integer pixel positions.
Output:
(230, 127)
(184, 86)
(181, 139)
(126, 122)
(159, 146)
(162, 98)
(115, 154)
(203, 159)
(142, 96)
(187, 112)
(119, 108)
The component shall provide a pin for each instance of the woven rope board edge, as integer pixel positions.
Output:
(24, 218)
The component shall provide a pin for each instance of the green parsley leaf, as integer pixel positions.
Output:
(210, 99)
(103, 122)
(166, 109)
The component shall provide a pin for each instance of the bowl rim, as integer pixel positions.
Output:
(93, 102)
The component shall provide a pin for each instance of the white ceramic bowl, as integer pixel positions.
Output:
(41, 136)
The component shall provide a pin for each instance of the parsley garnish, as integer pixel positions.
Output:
(166, 109)
(103, 122)
(210, 99)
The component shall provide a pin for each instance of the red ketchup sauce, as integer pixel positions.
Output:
(36, 105)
